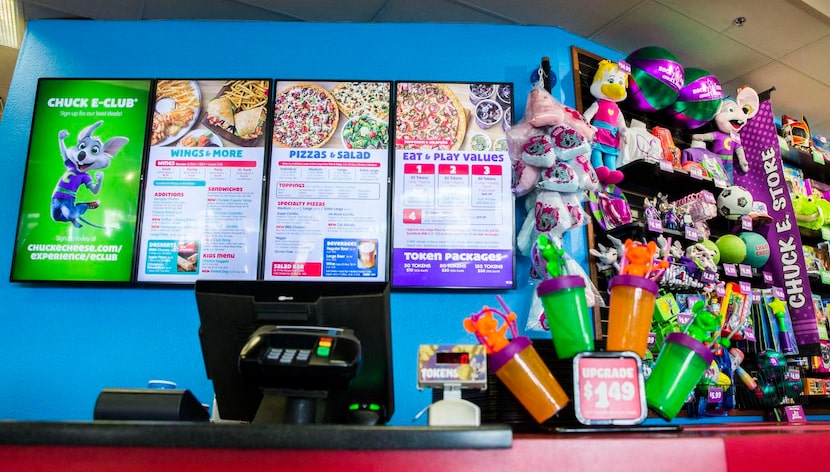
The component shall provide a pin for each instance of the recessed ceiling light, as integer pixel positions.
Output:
(739, 21)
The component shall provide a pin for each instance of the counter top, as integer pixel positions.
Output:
(206, 447)
(247, 436)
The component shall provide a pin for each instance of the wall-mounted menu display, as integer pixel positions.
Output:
(453, 207)
(203, 185)
(80, 197)
(328, 198)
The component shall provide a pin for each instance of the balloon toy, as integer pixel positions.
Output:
(656, 79)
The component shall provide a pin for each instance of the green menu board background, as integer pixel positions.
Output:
(101, 246)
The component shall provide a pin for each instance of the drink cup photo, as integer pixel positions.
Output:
(367, 254)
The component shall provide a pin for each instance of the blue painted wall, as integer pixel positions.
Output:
(59, 346)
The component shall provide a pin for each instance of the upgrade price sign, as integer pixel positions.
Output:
(79, 206)
(609, 388)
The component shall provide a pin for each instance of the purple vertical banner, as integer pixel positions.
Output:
(765, 181)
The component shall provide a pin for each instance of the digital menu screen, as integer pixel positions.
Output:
(79, 206)
(204, 181)
(453, 206)
(328, 189)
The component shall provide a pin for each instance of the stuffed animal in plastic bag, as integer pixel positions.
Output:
(730, 119)
(609, 87)
(555, 206)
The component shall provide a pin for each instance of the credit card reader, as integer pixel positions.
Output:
(310, 358)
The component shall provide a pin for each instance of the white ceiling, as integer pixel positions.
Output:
(783, 44)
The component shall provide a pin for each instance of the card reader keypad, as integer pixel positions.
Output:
(295, 356)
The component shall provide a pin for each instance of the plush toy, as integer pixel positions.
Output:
(730, 119)
(607, 259)
(702, 256)
(808, 214)
(527, 141)
(609, 87)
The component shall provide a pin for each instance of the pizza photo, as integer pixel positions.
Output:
(363, 98)
(429, 116)
(305, 116)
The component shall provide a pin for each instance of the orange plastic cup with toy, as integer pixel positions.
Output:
(630, 313)
(524, 373)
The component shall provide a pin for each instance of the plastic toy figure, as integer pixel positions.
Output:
(797, 133)
(486, 328)
(638, 258)
(650, 209)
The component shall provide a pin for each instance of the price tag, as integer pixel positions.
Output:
(709, 277)
(749, 334)
(721, 183)
(714, 395)
(746, 223)
(730, 270)
(683, 319)
(692, 234)
(795, 414)
(655, 225)
(825, 277)
(767, 277)
(746, 287)
(609, 388)
(652, 338)
(696, 173)
(666, 166)
(720, 290)
(745, 270)
(778, 292)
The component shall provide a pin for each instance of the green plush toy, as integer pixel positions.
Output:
(808, 213)
(824, 209)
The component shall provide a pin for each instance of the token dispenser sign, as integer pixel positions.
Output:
(452, 364)
(609, 388)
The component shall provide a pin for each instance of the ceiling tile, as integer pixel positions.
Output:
(653, 24)
(94, 9)
(812, 60)
(323, 10)
(31, 11)
(772, 26)
(584, 17)
(821, 129)
(218, 9)
(426, 11)
(795, 94)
